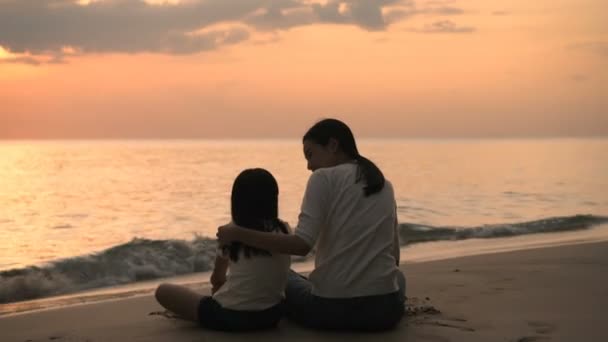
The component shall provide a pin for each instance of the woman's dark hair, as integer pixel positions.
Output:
(326, 129)
(254, 205)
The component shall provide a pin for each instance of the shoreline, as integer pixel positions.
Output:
(552, 293)
(410, 255)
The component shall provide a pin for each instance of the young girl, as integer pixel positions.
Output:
(348, 214)
(250, 297)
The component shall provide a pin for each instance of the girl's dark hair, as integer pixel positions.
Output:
(326, 129)
(254, 205)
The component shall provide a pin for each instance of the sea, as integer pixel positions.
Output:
(86, 220)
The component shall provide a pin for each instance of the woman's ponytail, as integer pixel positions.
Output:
(374, 179)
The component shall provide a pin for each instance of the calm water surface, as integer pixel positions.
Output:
(67, 198)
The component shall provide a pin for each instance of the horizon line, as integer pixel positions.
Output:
(511, 137)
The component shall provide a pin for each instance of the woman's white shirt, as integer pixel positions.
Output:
(352, 235)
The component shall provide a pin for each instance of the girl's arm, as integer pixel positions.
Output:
(272, 242)
(218, 277)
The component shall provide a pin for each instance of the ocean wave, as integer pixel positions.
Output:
(137, 260)
(143, 259)
(414, 233)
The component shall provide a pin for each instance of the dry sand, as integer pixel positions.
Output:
(547, 294)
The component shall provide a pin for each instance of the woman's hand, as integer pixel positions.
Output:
(226, 233)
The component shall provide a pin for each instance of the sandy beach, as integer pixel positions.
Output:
(546, 294)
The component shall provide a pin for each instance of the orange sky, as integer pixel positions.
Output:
(465, 68)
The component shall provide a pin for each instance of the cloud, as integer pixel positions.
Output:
(363, 13)
(596, 47)
(38, 31)
(45, 27)
(178, 43)
(131, 26)
(429, 9)
(445, 26)
(444, 10)
(58, 58)
(281, 16)
(440, 7)
(20, 60)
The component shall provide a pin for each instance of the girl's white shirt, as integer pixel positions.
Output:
(254, 283)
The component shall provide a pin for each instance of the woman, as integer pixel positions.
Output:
(251, 296)
(348, 216)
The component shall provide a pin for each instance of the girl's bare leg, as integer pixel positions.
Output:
(179, 300)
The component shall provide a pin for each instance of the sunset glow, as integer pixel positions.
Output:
(408, 69)
(4, 53)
